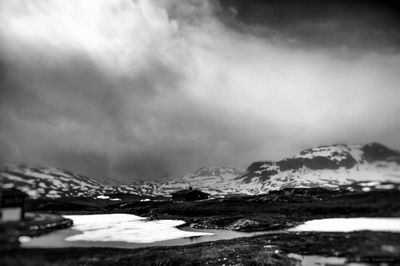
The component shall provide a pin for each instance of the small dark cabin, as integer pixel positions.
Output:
(12, 205)
(189, 195)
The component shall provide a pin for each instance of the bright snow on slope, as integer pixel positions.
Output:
(334, 152)
(126, 228)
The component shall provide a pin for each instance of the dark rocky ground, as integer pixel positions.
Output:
(243, 213)
(270, 212)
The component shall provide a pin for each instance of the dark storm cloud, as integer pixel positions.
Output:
(346, 24)
(74, 114)
(147, 89)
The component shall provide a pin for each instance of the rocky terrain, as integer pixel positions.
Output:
(278, 210)
(350, 167)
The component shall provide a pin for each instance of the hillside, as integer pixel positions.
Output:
(51, 182)
(55, 183)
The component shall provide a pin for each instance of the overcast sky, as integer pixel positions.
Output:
(143, 89)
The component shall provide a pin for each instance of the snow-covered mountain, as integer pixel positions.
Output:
(352, 167)
(365, 167)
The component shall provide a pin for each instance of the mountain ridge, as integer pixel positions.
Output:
(339, 166)
(326, 166)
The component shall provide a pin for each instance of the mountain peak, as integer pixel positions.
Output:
(327, 166)
(378, 152)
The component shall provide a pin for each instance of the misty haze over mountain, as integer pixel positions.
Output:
(146, 89)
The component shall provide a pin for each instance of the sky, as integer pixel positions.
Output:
(145, 89)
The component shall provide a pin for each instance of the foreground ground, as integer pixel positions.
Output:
(242, 213)
(260, 250)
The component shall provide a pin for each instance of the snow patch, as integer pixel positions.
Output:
(350, 224)
(126, 228)
(102, 197)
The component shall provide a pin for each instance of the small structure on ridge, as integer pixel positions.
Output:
(12, 205)
(189, 195)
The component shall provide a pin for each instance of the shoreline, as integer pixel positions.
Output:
(34, 225)
(256, 250)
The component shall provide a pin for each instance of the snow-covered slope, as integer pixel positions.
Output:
(213, 180)
(49, 182)
(55, 183)
(371, 166)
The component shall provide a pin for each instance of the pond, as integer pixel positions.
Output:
(131, 231)
(127, 231)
